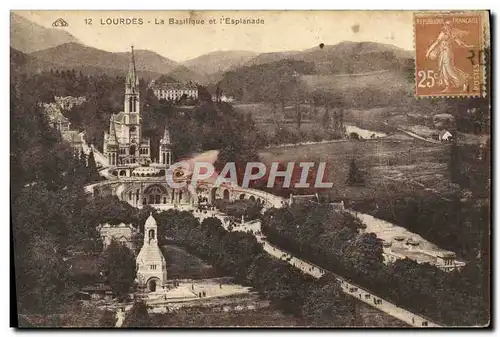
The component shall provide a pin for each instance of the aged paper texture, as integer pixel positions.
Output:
(250, 169)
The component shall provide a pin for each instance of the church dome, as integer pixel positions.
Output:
(150, 221)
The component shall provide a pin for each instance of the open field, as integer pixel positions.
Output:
(269, 119)
(348, 82)
(183, 265)
(389, 167)
(180, 265)
(262, 317)
(207, 317)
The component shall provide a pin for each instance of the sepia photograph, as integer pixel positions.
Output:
(250, 169)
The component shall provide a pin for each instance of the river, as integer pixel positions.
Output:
(363, 133)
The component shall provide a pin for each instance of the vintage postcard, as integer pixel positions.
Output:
(250, 169)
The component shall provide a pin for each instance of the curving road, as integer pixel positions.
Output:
(349, 288)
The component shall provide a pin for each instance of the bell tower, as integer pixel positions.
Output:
(165, 155)
(151, 265)
(132, 111)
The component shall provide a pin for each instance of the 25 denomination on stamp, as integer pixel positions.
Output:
(449, 53)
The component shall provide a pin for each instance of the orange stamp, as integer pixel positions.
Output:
(449, 54)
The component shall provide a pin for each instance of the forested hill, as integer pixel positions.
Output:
(267, 81)
(345, 57)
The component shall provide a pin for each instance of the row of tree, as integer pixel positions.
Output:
(239, 254)
(320, 303)
(335, 241)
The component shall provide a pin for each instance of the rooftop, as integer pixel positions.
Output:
(72, 136)
(53, 112)
(173, 86)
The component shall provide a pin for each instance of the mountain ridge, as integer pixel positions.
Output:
(219, 61)
(28, 36)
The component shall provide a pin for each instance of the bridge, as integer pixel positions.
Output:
(140, 191)
(156, 192)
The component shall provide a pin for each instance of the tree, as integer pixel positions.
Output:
(326, 118)
(354, 136)
(108, 319)
(454, 166)
(92, 167)
(41, 276)
(138, 316)
(355, 177)
(119, 268)
(326, 305)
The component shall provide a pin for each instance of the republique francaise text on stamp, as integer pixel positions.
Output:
(449, 53)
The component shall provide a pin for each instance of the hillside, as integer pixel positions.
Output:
(219, 61)
(26, 63)
(359, 71)
(345, 57)
(27, 36)
(91, 60)
(184, 74)
(272, 57)
(266, 82)
(78, 55)
(23, 62)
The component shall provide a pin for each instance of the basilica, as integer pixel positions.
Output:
(124, 144)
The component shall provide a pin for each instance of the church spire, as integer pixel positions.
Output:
(132, 89)
(132, 79)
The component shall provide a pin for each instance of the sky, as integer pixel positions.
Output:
(281, 30)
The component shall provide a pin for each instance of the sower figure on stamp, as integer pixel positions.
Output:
(441, 49)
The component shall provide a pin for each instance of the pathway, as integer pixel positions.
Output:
(120, 317)
(414, 135)
(349, 288)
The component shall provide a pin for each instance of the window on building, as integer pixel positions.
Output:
(152, 267)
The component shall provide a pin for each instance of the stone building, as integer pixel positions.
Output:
(121, 233)
(57, 120)
(124, 143)
(174, 91)
(151, 265)
(401, 248)
(165, 155)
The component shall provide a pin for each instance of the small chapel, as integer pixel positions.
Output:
(151, 264)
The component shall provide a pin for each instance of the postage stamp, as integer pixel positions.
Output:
(449, 54)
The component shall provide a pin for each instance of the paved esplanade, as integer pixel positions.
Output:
(349, 288)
